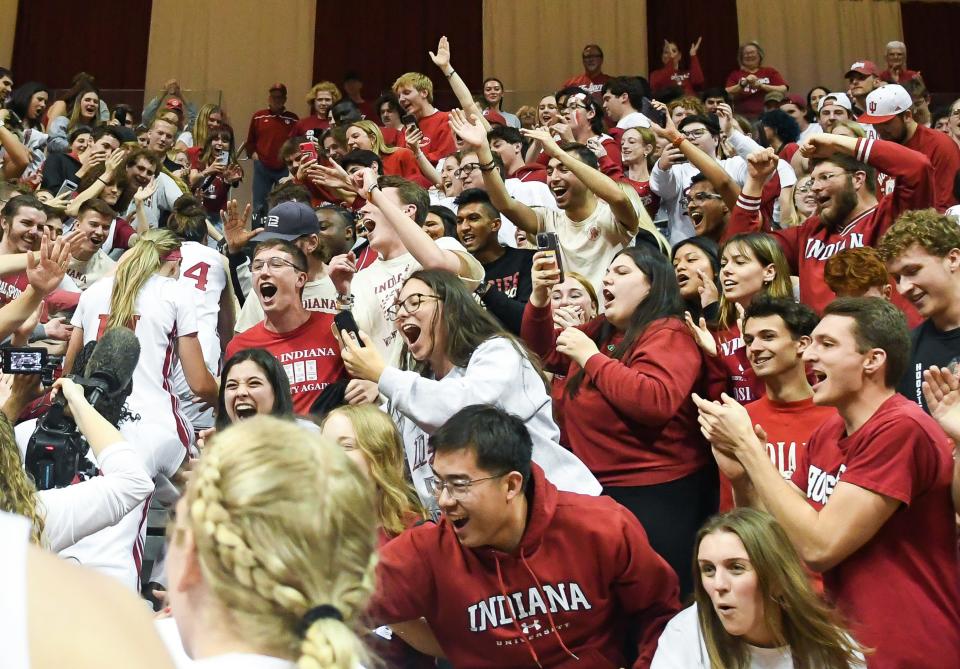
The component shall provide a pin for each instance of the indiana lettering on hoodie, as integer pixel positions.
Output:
(583, 580)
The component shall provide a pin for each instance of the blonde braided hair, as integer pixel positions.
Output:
(17, 492)
(283, 523)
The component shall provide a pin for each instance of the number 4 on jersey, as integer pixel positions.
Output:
(199, 274)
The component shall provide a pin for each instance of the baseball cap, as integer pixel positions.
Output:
(289, 220)
(886, 102)
(798, 100)
(864, 67)
(279, 87)
(494, 117)
(774, 96)
(836, 98)
(175, 103)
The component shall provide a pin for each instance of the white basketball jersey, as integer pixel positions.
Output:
(203, 276)
(14, 537)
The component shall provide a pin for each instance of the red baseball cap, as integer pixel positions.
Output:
(797, 100)
(864, 67)
(494, 117)
(175, 103)
(279, 87)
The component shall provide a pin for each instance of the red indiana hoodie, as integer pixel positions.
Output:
(583, 580)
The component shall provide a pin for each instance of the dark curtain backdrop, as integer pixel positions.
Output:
(930, 33)
(55, 39)
(392, 38)
(683, 21)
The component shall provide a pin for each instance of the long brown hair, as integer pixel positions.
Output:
(766, 251)
(795, 615)
(17, 492)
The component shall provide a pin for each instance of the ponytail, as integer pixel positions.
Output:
(144, 260)
(189, 219)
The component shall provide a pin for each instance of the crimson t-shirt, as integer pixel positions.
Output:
(944, 155)
(900, 591)
(437, 136)
(749, 101)
(309, 356)
(744, 386)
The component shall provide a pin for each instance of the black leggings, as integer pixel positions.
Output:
(671, 514)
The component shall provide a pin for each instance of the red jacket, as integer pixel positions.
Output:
(267, 133)
(944, 155)
(632, 422)
(668, 76)
(809, 245)
(582, 581)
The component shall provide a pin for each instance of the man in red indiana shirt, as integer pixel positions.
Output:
(269, 129)
(593, 78)
(848, 214)
(869, 503)
(301, 340)
(506, 579)
(415, 92)
(888, 110)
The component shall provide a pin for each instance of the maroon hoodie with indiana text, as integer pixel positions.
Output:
(583, 580)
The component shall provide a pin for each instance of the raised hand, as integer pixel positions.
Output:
(550, 146)
(695, 47)
(820, 145)
(707, 290)
(341, 270)
(941, 390)
(236, 228)
(544, 275)
(468, 129)
(414, 138)
(728, 124)
(45, 270)
(762, 164)
(442, 57)
(146, 192)
(701, 334)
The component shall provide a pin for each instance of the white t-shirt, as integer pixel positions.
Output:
(170, 635)
(185, 138)
(85, 274)
(589, 245)
(14, 537)
(681, 646)
(167, 193)
(319, 295)
(203, 275)
(376, 287)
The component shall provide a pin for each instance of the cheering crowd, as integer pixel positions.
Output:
(661, 372)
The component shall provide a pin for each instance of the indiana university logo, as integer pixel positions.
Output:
(530, 627)
(873, 106)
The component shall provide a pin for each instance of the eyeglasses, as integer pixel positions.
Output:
(805, 186)
(457, 489)
(410, 305)
(694, 134)
(823, 178)
(274, 263)
(466, 170)
(704, 197)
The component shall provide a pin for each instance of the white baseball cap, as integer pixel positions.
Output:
(886, 102)
(834, 98)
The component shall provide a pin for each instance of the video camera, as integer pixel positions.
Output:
(31, 360)
(56, 452)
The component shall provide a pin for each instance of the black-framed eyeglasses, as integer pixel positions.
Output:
(694, 134)
(466, 170)
(456, 489)
(410, 304)
(274, 263)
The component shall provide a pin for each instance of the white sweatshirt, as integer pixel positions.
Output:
(14, 537)
(79, 510)
(499, 375)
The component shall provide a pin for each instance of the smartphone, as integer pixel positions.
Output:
(344, 321)
(28, 360)
(223, 157)
(309, 150)
(121, 116)
(409, 121)
(652, 113)
(549, 241)
(67, 187)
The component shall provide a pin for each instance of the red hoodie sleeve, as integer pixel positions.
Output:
(657, 379)
(914, 174)
(405, 585)
(696, 74)
(646, 587)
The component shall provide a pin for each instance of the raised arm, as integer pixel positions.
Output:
(44, 274)
(442, 60)
(599, 183)
(473, 134)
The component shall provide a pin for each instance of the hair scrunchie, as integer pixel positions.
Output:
(315, 614)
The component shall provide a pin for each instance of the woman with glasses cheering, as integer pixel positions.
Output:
(456, 354)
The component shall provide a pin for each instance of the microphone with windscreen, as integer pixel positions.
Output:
(109, 371)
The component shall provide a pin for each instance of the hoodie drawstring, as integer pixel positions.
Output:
(556, 630)
(513, 614)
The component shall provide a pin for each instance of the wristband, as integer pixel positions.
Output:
(371, 189)
(100, 179)
(488, 167)
(452, 72)
(345, 302)
(678, 141)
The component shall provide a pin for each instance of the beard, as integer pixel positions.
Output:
(844, 202)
